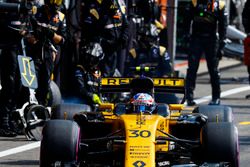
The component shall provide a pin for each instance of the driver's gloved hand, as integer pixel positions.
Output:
(96, 99)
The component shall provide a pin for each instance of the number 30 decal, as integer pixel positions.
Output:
(138, 133)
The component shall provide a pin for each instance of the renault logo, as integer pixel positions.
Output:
(139, 164)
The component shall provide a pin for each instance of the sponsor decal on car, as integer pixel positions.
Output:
(157, 81)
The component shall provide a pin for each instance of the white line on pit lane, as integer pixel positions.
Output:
(224, 94)
(20, 149)
(198, 101)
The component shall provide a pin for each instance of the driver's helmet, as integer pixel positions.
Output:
(143, 102)
(92, 55)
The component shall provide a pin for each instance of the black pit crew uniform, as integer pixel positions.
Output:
(10, 41)
(42, 51)
(105, 22)
(87, 85)
(206, 16)
(114, 34)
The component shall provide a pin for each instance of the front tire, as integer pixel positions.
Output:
(60, 143)
(220, 143)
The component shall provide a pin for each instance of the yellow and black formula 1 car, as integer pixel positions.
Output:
(121, 135)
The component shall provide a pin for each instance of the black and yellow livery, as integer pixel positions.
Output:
(115, 136)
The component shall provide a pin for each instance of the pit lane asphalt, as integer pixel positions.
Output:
(232, 78)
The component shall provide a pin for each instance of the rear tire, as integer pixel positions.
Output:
(216, 113)
(60, 142)
(220, 143)
(68, 110)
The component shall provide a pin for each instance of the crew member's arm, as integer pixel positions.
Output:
(222, 25)
(188, 17)
(59, 36)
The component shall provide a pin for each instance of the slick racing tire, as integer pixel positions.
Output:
(216, 113)
(55, 96)
(68, 110)
(220, 143)
(60, 143)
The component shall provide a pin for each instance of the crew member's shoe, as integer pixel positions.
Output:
(6, 132)
(14, 127)
(247, 96)
(214, 102)
(191, 102)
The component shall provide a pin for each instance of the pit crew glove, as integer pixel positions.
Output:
(96, 99)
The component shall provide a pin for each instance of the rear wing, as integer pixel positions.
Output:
(160, 85)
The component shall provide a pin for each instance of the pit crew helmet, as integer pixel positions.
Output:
(143, 102)
(92, 54)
